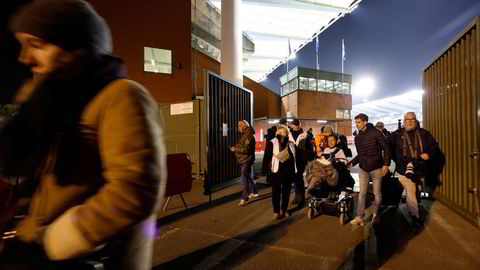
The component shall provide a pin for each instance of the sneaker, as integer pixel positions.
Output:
(243, 203)
(253, 195)
(276, 216)
(286, 213)
(357, 221)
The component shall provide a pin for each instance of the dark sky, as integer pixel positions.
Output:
(390, 41)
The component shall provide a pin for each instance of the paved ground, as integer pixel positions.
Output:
(222, 235)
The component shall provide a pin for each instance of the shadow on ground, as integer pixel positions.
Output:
(386, 238)
(231, 252)
(209, 205)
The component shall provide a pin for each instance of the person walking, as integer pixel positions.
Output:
(245, 154)
(304, 150)
(412, 149)
(373, 158)
(88, 138)
(281, 165)
(380, 126)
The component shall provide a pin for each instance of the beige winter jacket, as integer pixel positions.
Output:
(111, 182)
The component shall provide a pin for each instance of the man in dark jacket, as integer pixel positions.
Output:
(373, 157)
(245, 153)
(412, 147)
(380, 126)
(303, 149)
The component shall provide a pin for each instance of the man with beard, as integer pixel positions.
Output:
(412, 147)
(279, 162)
(245, 153)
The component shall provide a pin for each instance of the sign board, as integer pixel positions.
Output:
(225, 129)
(181, 108)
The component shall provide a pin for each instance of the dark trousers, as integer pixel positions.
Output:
(246, 179)
(298, 181)
(299, 186)
(280, 187)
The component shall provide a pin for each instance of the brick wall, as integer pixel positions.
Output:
(158, 24)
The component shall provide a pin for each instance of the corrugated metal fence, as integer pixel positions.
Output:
(184, 132)
(226, 105)
(451, 108)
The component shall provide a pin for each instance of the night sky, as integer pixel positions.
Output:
(390, 41)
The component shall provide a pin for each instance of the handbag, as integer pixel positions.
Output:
(283, 155)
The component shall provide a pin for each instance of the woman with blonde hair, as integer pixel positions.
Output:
(279, 162)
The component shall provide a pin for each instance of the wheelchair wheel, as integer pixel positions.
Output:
(310, 213)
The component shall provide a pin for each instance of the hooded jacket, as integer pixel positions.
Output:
(372, 148)
(99, 166)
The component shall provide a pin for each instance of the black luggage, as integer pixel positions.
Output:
(391, 190)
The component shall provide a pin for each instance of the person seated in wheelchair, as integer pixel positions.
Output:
(328, 172)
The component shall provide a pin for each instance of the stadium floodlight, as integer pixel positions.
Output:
(364, 88)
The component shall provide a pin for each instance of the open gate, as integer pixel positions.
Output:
(226, 105)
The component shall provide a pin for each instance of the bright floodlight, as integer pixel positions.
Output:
(364, 88)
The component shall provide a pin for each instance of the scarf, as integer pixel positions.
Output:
(52, 113)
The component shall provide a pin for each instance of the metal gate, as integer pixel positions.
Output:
(451, 108)
(226, 105)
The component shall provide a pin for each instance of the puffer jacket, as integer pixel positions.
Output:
(245, 148)
(370, 143)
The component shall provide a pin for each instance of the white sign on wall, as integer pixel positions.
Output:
(225, 129)
(181, 108)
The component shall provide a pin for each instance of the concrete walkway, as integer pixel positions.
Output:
(222, 235)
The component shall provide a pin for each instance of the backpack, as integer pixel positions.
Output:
(343, 144)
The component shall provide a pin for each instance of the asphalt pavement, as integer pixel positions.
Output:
(222, 235)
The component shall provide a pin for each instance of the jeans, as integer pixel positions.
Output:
(364, 176)
(411, 191)
(247, 181)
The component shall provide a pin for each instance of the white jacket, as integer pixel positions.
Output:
(302, 136)
(276, 150)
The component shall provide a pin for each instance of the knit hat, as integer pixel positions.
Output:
(69, 24)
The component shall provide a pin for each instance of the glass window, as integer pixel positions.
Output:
(338, 87)
(329, 86)
(293, 84)
(303, 83)
(346, 88)
(346, 114)
(339, 114)
(312, 84)
(321, 85)
(157, 60)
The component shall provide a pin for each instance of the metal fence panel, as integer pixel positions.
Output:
(450, 108)
(183, 133)
(226, 104)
